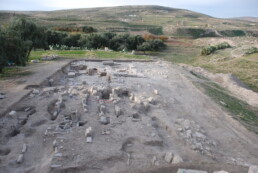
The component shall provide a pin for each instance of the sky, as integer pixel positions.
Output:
(215, 8)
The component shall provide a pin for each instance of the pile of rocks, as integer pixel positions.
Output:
(195, 136)
(48, 58)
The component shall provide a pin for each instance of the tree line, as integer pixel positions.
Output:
(21, 36)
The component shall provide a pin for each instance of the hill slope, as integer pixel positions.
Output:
(131, 18)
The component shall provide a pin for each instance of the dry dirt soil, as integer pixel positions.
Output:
(123, 116)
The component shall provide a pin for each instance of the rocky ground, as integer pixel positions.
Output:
(123, 116)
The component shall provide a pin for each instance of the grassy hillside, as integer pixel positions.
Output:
(133, 19)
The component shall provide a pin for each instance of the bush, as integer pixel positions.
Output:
(252, 51)
(233, 33)
(156, 30)
(210, 49)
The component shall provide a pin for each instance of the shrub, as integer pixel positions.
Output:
(210, 49)
(252, 50)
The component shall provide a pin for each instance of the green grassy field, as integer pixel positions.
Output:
(239, 110)
(221, 61)
(14, 72)
(85, 54)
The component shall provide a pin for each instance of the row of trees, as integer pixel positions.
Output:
(21, 36)
(111, 40)
(85, 29)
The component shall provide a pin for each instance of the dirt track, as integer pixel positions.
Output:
(177, 118)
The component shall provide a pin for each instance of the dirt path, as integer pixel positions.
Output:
(14, 88)
(126, 117)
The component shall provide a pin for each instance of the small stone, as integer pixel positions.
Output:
(55, 166)
(131, 97)
(90, 71)
(35, 91)
(105, 132)
(151, 100)
(154, 161)
(188, 134)
(27, 109)
(104, 120)
(102, 108)
(19, 159)
(146, 106)
(221, 171)
(223, 103)
(180, 129)
(88, 132)
(101, 114)
(58, 155)
(118, 111)
(253, 169)
(156, 92)
(168, 157)
(54, 143)
(103, 74)
(177, 159)
(2, 95)
(89, 139)
(35, 61)
(71, 74)
(110, 63)
(24, 148)
(12, 113)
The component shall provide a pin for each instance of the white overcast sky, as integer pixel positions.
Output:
(216, 8)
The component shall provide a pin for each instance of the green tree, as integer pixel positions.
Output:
(3, 58)
(30, 33)
(144, 47)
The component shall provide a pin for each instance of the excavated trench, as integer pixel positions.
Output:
(123, 116)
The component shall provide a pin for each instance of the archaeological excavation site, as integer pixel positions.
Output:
(117, 116)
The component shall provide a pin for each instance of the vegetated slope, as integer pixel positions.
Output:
(155, 19)
(250, 19)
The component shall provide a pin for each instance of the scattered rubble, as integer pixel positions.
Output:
(49, 58)
(82, 112)
(195, 136)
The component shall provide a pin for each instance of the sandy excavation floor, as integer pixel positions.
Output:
(121, 117)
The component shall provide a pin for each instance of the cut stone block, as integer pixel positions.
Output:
(104, 120)
(177, 159)
(190, 171)
(71, 74)
(12, 113)
(89, 139)
(169, 157)
(108, 63)
(19, 159)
